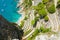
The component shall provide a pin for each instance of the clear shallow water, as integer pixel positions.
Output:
(9, 10)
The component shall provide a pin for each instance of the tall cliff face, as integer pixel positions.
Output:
(9, 30)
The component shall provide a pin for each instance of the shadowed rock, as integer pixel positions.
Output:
(9, 31)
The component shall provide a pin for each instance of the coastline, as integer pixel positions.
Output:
(22, 17)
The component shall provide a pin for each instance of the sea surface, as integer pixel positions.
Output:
(8, 9)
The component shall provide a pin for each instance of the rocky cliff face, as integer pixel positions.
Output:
(9, 31)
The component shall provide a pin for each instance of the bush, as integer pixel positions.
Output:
(58, 4)
(40, 9)
(40, 6)
(27, 32)
(47, 30)
(45, 1)
(32, 22)
(46, 18)
(36, 18)
(42, 12)
(35, 32)
(26, 17)
(44, 30)
(22, 24)
(29, 38)
(51, 8)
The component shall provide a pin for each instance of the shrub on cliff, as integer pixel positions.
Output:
(51, 8)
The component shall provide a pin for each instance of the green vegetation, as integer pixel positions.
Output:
(26, 17)
(36, 18)
(46, 18)
(27, 4)
(40, 9)
(58, 4)
(42, 12)
(44, 30)
(32, 22)
(45, 1)
(27, 32)
(33, 35)
(51, 8)
(29, 38)
(58, 0)
(22, 24)
(37, 31)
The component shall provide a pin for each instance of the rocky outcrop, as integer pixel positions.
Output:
(9, 31)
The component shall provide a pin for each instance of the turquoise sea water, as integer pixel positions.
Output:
(8, 9)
